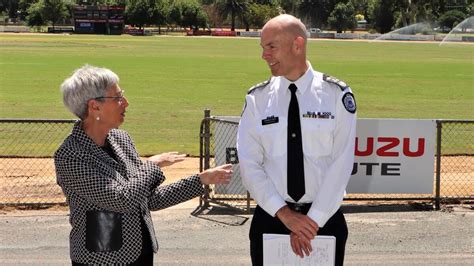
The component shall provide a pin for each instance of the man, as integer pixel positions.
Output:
(296, 145)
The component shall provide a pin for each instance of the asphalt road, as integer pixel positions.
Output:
(388, 235)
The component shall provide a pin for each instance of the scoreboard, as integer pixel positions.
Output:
(98, 19)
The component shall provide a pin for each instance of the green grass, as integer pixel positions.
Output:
(169, 81)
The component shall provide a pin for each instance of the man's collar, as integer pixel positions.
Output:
(303, 82)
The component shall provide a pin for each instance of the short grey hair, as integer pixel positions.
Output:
(85, 83)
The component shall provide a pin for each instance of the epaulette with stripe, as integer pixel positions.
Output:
(334, 80)
(258, 86)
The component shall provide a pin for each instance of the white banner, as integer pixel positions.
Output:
(249, 33)
(394, 156)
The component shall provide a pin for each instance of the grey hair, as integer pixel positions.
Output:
(85, 83)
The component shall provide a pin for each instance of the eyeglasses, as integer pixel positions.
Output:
(118, 99)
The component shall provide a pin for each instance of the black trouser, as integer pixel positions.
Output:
(263, 223)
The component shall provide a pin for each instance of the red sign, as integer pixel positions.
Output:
(223, 33)
(389, 146)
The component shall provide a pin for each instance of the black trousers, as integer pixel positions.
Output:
(263, 223)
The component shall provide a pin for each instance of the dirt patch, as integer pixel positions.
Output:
(34, 181)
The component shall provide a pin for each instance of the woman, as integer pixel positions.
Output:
(109, 189)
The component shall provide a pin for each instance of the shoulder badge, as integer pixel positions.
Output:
(258, 86)
(334, 80)
(349, 102)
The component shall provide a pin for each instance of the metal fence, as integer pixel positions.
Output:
(27, 174)
(454, 164)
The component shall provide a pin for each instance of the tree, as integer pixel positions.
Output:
(35, 17)
(343, 17)
(141, 12)
(137, 12)
(23, 6)
(213, 15)
(39, 13)
(258, 14)
(10, 7)
(102, 2)
(316, 12)
(290, 7)
(384, 15)
(234, 8)
(193, 15)
(187, 13)
(451, 18)
(361, 7)
(54, 11)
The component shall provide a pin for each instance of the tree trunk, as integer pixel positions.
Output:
(247, 25)
(232, 14)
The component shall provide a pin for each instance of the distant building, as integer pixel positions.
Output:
(361, 24)
(98, 19)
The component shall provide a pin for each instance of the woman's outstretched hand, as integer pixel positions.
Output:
(167, 158)
(217, 175)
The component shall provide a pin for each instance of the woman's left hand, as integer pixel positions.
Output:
(217, 175)
(167, 158)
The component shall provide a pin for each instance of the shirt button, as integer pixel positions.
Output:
(293, 135)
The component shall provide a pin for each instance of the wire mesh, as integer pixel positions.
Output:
(456, 176)
(27, 174)
(222, 148)
(457, 160)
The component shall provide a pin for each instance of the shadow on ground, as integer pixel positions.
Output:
(412, 207)
(216, 212)
(222, 214)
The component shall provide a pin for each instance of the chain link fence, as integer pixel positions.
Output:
(27, 174)
(217, 147)
(454, 164)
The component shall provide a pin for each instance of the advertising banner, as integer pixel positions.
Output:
(394, 156)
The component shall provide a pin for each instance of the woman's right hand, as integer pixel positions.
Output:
(217, 175)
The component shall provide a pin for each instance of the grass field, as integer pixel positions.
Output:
(169, 81)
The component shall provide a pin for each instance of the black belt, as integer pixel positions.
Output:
(299, 207)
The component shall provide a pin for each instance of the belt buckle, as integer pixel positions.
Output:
(298, 206)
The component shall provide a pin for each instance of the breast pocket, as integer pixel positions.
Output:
(317, 137)
(273, 137)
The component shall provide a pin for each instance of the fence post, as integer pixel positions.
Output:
(439, 126)
(206, 135)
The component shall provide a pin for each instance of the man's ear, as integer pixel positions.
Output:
(298, 43)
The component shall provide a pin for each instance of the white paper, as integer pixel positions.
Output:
(277, 251)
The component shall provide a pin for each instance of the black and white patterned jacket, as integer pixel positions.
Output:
(108, 198)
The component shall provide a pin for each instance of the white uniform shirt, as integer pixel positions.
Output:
(328, 135)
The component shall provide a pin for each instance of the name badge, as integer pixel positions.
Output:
(270, 120)
(319, 115)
